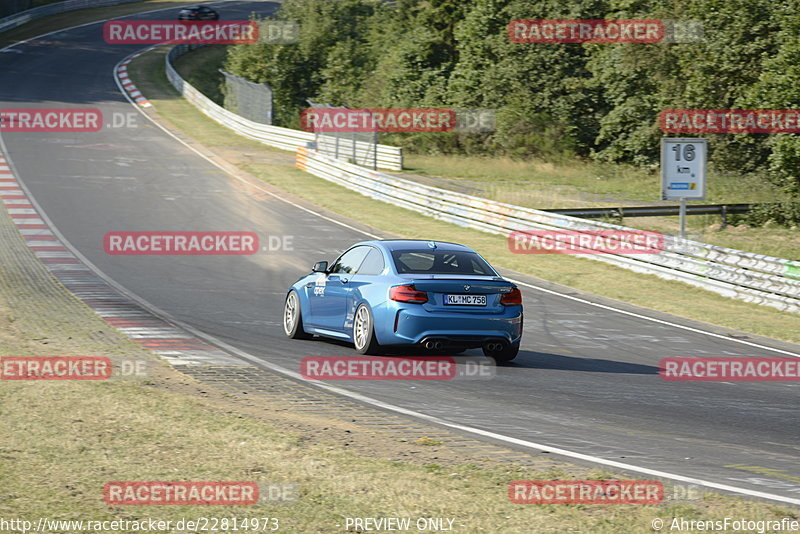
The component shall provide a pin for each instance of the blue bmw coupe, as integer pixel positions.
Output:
(394, 293)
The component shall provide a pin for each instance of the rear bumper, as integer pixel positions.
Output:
(411, 325)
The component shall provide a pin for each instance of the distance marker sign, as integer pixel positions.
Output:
(683, 168)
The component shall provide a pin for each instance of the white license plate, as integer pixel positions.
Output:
(465, 300)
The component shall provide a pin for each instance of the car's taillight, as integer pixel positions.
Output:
(512, 298)
(408, 294)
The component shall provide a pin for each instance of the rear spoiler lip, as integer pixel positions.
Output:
(477, 286)
(464, 277)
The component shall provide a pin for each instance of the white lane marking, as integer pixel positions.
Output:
(35, 231)
(44, 243)
(44, 254)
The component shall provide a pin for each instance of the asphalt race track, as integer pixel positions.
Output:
(585, 381)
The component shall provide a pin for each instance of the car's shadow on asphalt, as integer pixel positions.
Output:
(529, 359)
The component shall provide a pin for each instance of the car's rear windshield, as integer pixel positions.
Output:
(440, 262)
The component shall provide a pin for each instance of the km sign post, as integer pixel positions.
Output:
(683, 172)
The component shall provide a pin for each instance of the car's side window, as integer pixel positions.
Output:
(349, 262)
(373, 264)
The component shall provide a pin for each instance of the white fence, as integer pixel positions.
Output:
(18, 19)
(388, 157)
(742, 275)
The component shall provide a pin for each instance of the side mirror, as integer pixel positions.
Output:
(320, 267)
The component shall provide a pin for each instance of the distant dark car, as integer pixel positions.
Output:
(198, 13)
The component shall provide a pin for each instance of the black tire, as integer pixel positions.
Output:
(507, 353)
(364, 332)
(293, 318)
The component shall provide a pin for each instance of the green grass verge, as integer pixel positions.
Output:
(643, 290)
(608, 182)
(57, 461)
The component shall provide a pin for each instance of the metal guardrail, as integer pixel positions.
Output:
(23, 17)
(389, 157)
(733, 273)
(653, 211)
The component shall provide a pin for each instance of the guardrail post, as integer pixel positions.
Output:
(683, 217)
(724, 212)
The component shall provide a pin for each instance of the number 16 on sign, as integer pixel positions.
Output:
(683, 171)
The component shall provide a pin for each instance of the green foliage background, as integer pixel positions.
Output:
(553, 101)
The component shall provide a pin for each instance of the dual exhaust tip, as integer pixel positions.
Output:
(433, 345)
